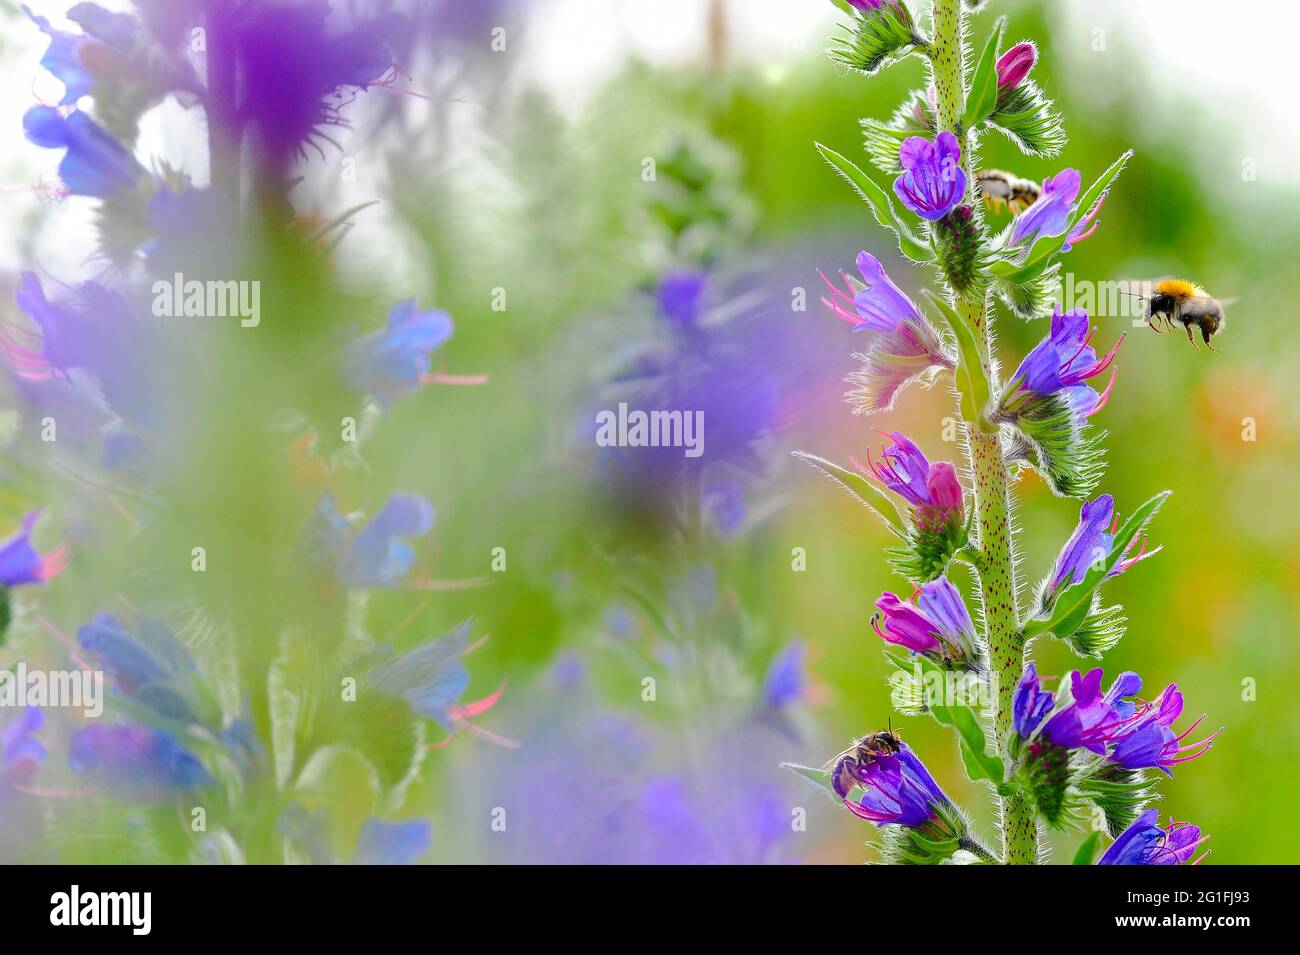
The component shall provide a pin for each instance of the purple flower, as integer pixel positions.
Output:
(21, 564)
(1091, 718)
(20, 751)
(136, 760)
(153, 669)
(1060, 364)
(897, 790)
(933, 490)
(1030, 704)
(933, 181)
(394, 361)
(1014, 65)
(95, 164)
(294, 72)
(1147, 739)
(786, 681)
(937, 625)
(63, 58)
(393, 843)
(906, 346)
(431, 678)
(1090, 544)
(1145, 843)
(1050, 215)
(680, 295)
(377, 555)
(881, 306)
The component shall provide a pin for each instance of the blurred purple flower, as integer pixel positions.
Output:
(20, 751)
(1145, 843)
(377, 555)
(63, 58)
(153, 669)
(933, 181)
(393, 843)
(137, 761)
(95, 164)
(786, 682)
(21, 564)
(680, 295)
(295, 73)
(393, 362)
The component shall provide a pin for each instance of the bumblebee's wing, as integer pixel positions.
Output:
(1201, 305)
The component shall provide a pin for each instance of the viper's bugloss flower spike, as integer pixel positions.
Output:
(1014, 65)
(1090, 544)
(1146, 739)
(394, 361)
(95, 163)
(20, 752)
(933, 182)
(1146, 843)
(21, 564)
(938, 625)
(138, 761)
(393, 843)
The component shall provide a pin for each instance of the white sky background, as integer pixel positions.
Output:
(1235, 62)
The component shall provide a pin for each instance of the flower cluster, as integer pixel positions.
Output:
(1054, 752)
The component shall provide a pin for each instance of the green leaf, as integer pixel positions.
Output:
(864, 490)
(881, 203)
(1087, 850)
(971, 380)
(875, 39)
(1028, 118)
(1072, 606)
(983, 94)
(819, 777)
(1051, 245)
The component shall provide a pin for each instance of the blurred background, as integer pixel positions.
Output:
(621, 202)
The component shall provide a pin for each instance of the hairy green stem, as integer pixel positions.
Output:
(997, 570)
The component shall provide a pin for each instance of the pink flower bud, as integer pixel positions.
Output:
(1014, 65)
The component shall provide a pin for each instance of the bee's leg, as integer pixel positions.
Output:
(1205, 334)
(1190, 338)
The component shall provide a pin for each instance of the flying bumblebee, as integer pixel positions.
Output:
(870, 747)
(1002, 190)
(1175, 300)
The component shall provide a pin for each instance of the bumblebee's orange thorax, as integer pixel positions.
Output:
(1178, 288)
